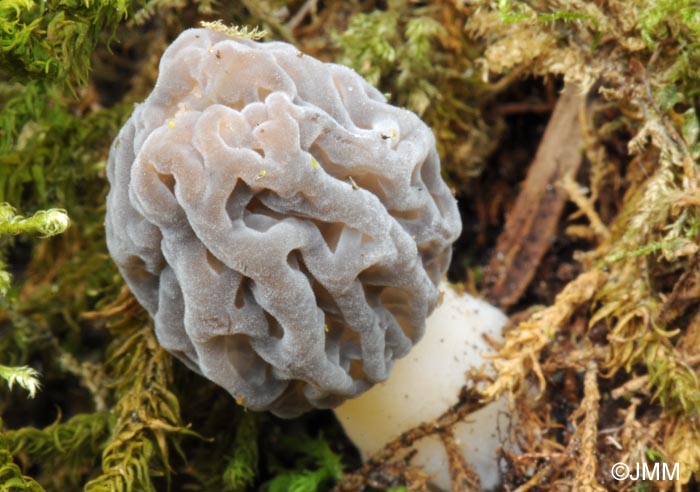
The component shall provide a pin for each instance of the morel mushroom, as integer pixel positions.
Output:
(284, 226)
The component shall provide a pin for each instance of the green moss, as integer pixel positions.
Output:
(422, 59)
(242, 465)
(11, 477)
(147, 414)
(54, 39)
(69, 446)
(23, 376)
(315, 465)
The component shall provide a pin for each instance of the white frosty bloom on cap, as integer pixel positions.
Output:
(284, 226)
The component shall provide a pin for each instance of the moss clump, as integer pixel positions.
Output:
(638, 57)
(424, 61)
(53, 40)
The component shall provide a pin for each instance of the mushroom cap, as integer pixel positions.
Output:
(283, 225)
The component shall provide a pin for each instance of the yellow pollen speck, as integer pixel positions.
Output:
(171, 124)
(392, 134)
(240, 400)
(314, 163)
(325, 328)
(261, 174)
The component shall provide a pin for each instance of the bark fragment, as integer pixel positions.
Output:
(532, 223)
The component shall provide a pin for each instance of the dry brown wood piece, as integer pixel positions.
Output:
(532, 222)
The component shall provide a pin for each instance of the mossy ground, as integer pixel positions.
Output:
(606, 332)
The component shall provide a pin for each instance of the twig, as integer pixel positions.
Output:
(533, 221)
(583, 443)
(309, 5)
(469, 401)
(274, 24)
(462, 476)
(523, 108)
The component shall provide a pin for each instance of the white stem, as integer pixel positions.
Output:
(425, 383)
